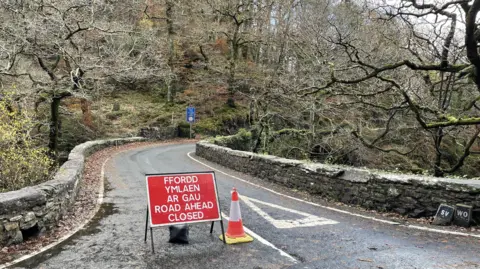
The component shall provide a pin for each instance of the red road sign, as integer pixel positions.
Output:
(182, 198)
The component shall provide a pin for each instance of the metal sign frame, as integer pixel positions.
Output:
(148, 219)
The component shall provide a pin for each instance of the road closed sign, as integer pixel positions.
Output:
(182, 198)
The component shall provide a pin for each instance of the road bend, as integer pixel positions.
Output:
(288, 233)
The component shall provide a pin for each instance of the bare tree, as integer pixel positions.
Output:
(427, 82)
(64, 48)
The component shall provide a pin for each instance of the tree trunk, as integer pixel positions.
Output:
(231, 70)
(54, 127)
(233, 59)
(438, 172)
(265, 52)
(171, 49)
(267, 137)
(285, 26)
(257, 138)
(312, 119)
(251, 114)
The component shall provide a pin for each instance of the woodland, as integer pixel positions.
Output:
(389, 85)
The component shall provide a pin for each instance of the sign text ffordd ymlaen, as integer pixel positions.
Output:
(182, 198)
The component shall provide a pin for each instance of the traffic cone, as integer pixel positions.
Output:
(235, 233)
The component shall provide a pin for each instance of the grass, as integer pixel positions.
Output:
(136, 110)
(141, 109)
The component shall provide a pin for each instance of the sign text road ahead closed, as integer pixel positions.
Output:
(182, 198)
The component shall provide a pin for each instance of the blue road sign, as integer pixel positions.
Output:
(190, 114)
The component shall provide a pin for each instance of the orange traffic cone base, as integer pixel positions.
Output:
(235, 233)
(237, 240)
(235, 229)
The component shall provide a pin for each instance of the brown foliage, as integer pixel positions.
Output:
(251, 64)
(221, 90)
(221, 45)
(188, 92)
(87, 114)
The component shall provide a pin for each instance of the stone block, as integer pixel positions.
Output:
(476, 216)
(463, 215)
(400, 210)
(17, 201)
(10, 226)
(16, 218)
(49, 205)
(50, 218)
(393, 192)
(417, 213)
(444, 215)
(39, 212)
(15, 237)
(379, 197)
(436, 199)
(28, 221)
(2, 235)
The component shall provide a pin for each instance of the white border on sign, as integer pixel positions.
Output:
(185, 222)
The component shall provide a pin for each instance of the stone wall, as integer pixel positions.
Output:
(159, 133)
(411, 195)
(37, 208)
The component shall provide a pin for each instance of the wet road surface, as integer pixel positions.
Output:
(115, 238)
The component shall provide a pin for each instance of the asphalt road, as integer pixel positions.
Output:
(115, 239)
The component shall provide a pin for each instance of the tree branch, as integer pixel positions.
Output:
(470, 41)
(466, 153)
(454, 122)
(45, 68)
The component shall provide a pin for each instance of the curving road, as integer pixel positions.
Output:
(319, 238)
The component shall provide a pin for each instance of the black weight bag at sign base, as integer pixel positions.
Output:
(178, 234)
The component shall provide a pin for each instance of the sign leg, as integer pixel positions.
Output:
(151, 236)
(190, 130)
(211, 228)
(223, 231)
(146, 226)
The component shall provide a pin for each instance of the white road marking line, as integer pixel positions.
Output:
(442, 231)
(65, 237)
(309, 220)
(265, 242)
(336, 209)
